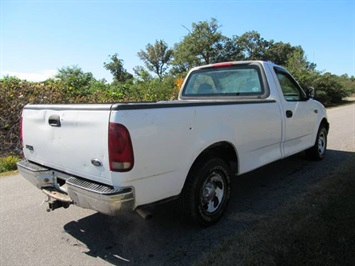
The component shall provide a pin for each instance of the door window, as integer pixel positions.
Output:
(290, 89)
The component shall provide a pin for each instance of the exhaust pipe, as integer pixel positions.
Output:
(146, 215)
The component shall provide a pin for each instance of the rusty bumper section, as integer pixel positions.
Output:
(83, 193)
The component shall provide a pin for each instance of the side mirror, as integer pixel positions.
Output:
(311, 93)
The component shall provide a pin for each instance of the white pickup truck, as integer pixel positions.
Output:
(230, 118)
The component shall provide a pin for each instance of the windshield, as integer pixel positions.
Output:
(228, 81)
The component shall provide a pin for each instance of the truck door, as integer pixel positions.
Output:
(299, 114)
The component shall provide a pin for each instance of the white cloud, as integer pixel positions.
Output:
(38, 76)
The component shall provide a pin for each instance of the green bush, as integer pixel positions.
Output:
(14, 95)
(8, 163)
(329, 89)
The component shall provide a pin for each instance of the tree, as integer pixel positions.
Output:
(142, 75)
(280, 52)
(228, 50)
(252, 45)
(329, 88)
(75, 80)
(183, 59)
(298, 64)
(203, 45)
(117, 70)
(156, 57)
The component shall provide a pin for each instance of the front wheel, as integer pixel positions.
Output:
(318, 151)
(206, 192)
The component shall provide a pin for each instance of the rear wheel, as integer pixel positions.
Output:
(318, 151)
(206, 192)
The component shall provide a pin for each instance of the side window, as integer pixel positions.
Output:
(289, 87)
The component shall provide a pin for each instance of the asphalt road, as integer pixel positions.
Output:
(31, 236)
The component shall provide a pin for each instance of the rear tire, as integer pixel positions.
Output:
(206, 193)
(318, 151)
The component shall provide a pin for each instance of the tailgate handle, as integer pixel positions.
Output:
(54, 121)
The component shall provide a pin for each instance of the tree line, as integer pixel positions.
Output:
(164, 67)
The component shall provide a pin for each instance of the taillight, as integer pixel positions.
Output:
(120, 148)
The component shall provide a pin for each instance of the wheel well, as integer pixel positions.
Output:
(325, 123)
(223, 150)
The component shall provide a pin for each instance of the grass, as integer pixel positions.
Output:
(316, 229)
(9, 173)
(8, 163)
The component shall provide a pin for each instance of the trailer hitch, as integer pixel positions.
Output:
(56, 204)
(56, 199)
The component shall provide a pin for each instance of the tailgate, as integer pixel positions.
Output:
(69, 138)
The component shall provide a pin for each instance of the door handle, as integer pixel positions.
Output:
(289, 113)
(54, 121)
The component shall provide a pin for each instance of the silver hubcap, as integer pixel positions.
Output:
(212, 193)
(321, 143)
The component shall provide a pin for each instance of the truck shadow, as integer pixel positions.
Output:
(166, 240)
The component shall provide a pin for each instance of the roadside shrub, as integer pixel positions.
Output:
(330, 89)
(8, 163)
(348, 83)
(14, 95)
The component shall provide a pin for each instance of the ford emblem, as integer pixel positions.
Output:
(96, 162)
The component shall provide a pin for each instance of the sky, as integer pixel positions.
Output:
(38, 37)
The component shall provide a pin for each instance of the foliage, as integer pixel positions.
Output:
(8, 163)
(117, 70)
(75, 81)
(156, 57)
(329, 87)
(14, 95)
(141, 74)
(178, 82)
(297, 62)
(202, 45)
(154, 90)
(279, 52)
(205, 44)
(348, 83)
(253, 46)
(228, 50)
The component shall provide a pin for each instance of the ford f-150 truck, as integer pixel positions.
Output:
(230, 118)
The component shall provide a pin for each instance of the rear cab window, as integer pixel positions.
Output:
(243, 80)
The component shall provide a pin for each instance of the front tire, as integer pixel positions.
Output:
(206, 193)
(318, 151)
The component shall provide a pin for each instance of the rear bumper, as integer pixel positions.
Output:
(83, 193)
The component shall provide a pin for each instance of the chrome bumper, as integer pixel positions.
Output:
(83, 193)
